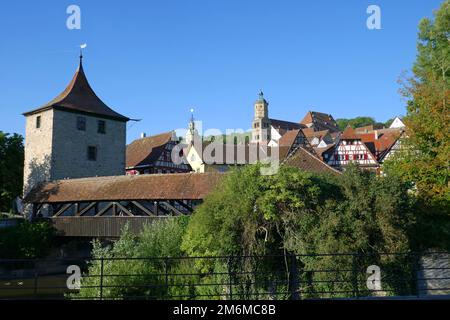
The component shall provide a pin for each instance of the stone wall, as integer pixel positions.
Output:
(433, 277)
(69, 147)
(38, 147)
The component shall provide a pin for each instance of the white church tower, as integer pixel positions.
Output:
(192, 133)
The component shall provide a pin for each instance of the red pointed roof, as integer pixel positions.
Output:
(79, 97)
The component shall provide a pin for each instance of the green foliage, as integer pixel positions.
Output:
(11, 169)
(355, 122)
(425, 158)
(159, 239)
(26, 240)
(433, 46)
(298, 212)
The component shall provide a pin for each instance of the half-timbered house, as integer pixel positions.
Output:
(153, 154)
(351, 149)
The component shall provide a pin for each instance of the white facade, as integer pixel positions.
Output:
(352, 151)
(397, 123)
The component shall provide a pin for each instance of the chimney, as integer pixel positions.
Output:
(376, 134)
(143, 135)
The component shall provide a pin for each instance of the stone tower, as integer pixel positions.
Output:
(73, 136)
(261, 121)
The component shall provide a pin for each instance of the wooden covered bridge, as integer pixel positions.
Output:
(101, 206)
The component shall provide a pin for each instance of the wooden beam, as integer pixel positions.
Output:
(87, 208)
(63, 209)
(124, 209)
(114, 209)
(172, 208)
(101, 212)
(143, 208)
(186, 206)
(155, 206)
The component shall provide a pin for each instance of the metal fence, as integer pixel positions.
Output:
(307, 276)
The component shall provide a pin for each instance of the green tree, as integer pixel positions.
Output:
(26, 240)
(425, 159)
(298, 212)
(355, 122)
(11, 169)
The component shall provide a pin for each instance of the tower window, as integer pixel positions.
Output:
(92, 153)
(101, 126)
(81, 123)
(38, 122)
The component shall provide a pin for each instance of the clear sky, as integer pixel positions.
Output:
(154, 60)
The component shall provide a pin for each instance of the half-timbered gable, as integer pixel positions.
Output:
(350, 149)
(392, 148)
(295, 139)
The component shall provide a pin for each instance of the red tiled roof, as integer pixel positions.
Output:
(180, 186)
(310, 133)
(349, 134)
(304, 160)
(320, 121)
(79, 97)
(288, 138)
(146, 150)
(320, 151)
(283, 126)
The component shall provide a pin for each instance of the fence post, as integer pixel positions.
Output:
(293, 279)
(355, 276)
(416, 285)
(167, 276)
(230, 275)
(101, 278)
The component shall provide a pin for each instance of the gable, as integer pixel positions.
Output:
(348, 151)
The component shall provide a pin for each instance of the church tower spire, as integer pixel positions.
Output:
(192, 131)
(261, 121)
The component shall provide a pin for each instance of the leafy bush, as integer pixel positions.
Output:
(26, 240)
(134, 266)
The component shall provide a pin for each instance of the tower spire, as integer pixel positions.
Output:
(81, 57)
(82, 46)
(192, 132)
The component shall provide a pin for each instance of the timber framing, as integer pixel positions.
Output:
(134, 208)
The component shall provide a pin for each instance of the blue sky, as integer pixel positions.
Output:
(154, 60)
